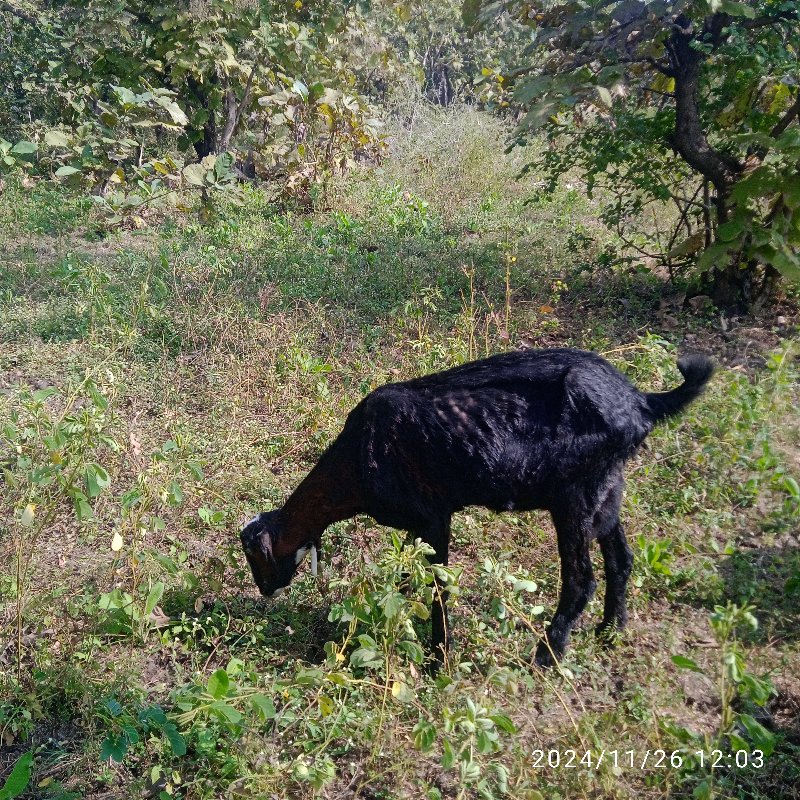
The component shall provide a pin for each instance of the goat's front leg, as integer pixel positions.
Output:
(438, 537)
(577, 587)
(618, 560)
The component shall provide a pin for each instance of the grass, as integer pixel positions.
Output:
(159, 386)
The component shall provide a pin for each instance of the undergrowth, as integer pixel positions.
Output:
(157, 387)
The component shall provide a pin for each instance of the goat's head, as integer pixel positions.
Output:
(272, 571)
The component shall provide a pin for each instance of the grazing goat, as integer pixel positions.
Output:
(534, 429)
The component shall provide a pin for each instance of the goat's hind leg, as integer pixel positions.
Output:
(618, 561)
(577, 584)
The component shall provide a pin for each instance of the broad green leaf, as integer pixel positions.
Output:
(424, 735)
(114, 706)
(401, 692)
(97, 480)
(82, 507)
(326, 705)
(226, 712)
(125, 95)
(56, 139)
(194, 174)
(392, 603)
(175, 739)
(153, 598)
(734, 9)
(716, 254)
(539, 114)
(114, 747)
(486, 742)
(66, 171)
(448, 754)
(686, 663)
(24, 148)
(174, 494)
(43, 394)
(688, 246)
(503, 722)
(175, 112)
(414, 652)
(729, 231)
(17, 782)
(218, 684)
(419, 610)
(366, 657)
(339, 678)
(758, 735)
(264, 706)
(605, 96)
(131, 734)
(300, 88)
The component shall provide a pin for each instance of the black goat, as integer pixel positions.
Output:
(534, 429)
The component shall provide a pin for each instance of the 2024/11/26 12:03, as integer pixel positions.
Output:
(649, 759)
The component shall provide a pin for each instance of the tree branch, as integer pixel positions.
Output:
(16, 12)
(235, 110)
(786, 120)
(767, 20)
(689, 138)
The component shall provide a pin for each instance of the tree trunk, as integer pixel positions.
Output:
(208, 143)
(731, 283)
(234, 110)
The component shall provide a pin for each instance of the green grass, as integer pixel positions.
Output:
(198, 372)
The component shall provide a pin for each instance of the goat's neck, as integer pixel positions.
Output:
(329, 493)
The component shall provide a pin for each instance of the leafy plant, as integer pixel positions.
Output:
(739, 692)
(21, 154)
(623, 84)
(128, 729)
(258, 85)
(380, 616)
(54, 440)
(19, 778)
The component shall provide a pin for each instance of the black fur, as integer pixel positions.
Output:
(535, 429)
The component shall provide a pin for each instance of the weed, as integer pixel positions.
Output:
(158, 387)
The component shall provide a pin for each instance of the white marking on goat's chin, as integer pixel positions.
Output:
(278, 592)
(314, 560)
(300, 555)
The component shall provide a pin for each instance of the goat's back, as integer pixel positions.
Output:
(509, 431)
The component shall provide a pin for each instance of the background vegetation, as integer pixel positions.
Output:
(185, 322)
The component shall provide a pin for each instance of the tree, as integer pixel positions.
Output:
(264, 81)
(692, 102)
(400, 42)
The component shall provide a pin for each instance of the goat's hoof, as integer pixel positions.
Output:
(544, 658)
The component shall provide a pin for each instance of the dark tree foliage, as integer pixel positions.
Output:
(693, 103)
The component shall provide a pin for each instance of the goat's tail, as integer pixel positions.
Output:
(696, 370)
